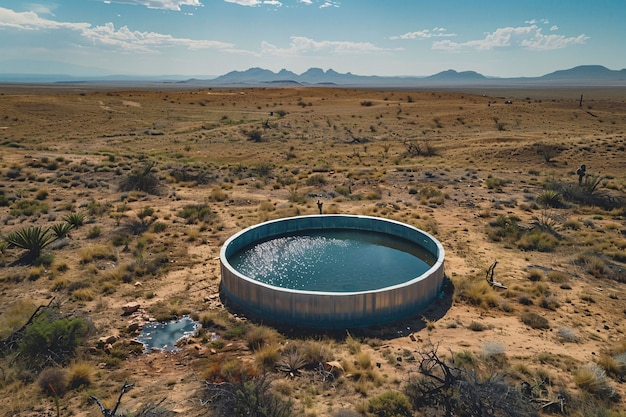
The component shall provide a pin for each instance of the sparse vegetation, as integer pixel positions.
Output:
(135, 215)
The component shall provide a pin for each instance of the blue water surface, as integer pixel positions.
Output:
(163, 336)
(333, 261)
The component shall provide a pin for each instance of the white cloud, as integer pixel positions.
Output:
(553, 28)
(527, 37)
(32, 21)
(127, 40)
(423, 34)
(277, 3)
(301, 46)
(40, 8)
(550, 42)
(250, 3)
(160, 4)
(536, 21)
(122, 39)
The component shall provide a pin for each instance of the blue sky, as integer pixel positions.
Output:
(506, 38)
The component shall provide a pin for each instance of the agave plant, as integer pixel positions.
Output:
(33, 239)
(550, 198)
(61, 230)
(291, 362)
(76, 219)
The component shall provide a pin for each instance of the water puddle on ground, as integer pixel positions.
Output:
(163, 336)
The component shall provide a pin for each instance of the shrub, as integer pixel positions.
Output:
(235, 331)
(197, 212)
(100, 252)
(94, 232)
(390, 404)
(558, 277)
(83, 294)
(534, 320)
(550, 303)
(49, 341)
(363, 360)
(159, 227)
(141, 179)
(80, 375)
(476, 326)
(537, 240)
(592, 379)
(477, 293)
(28, 208)
(316, 180)
(567, 335)
(493, 349)
(252, 397)
(494, 183)
(535, 275)
(267, 356)
(504, 227)
(259, 336)
(217, 194)
(53, 381)
(255, 136)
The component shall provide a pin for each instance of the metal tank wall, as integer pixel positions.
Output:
(331, 309)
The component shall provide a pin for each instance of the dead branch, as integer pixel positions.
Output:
(112, 412)
(489, 277)
(13, 339)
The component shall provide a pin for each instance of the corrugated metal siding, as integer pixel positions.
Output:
(337, 309)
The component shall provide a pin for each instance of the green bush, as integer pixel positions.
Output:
(504, 227)
(390, 404)
(197, 213)
(539, 241)
(28, 208)
(142, 179)
(49, 341)
(316, 180)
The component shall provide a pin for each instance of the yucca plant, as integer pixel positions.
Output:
(76, 219)
(291, 362)
(550, 198)
(33, 239)
(61, 230)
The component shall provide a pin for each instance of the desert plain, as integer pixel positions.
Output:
(154, 180)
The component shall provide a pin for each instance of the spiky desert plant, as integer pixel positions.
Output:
(76, 219)
(291, 362)
(33, 239)
(550, 198)
(61, 230)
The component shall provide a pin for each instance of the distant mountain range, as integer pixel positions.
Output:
(582, 75)
(585, 75)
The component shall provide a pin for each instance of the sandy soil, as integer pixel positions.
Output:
(351, 138)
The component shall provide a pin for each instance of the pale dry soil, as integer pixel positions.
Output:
(354, 139)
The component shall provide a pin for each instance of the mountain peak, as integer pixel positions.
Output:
(583, 75)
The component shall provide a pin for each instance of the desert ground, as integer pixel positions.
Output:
(153, 181)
